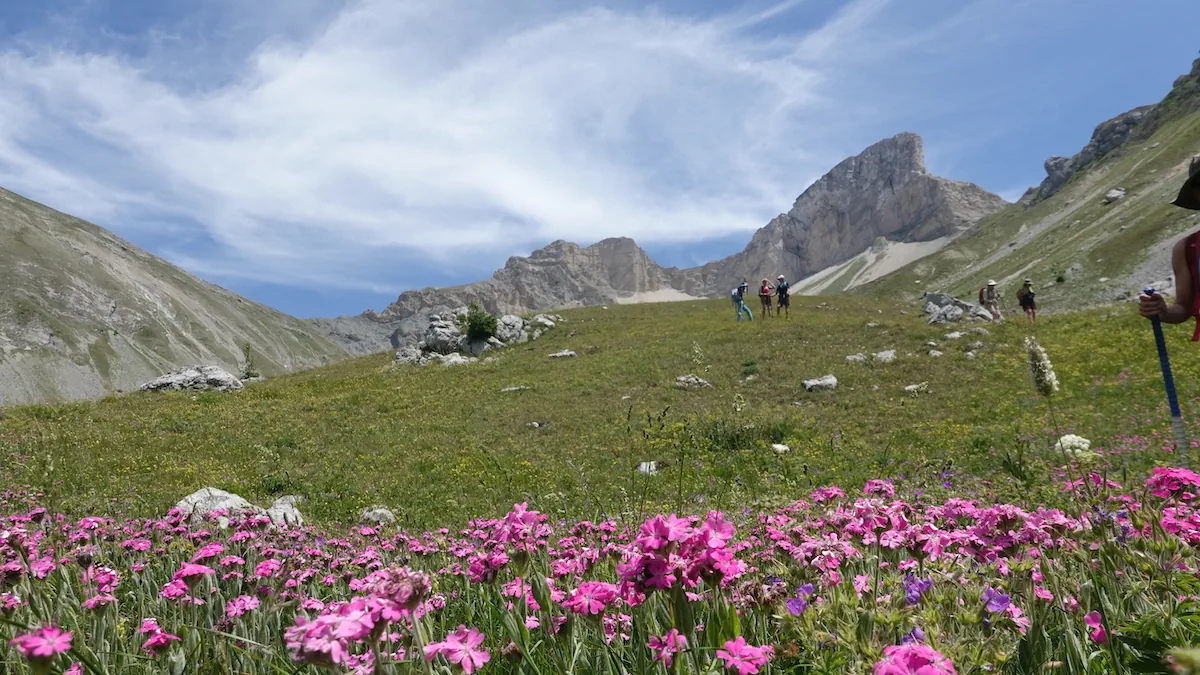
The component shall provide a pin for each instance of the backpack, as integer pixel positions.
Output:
(982, 291)
(1190, 246)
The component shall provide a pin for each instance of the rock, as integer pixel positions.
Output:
(648, 468)
(195, 378)
(953, 336)
(691, 382)
(947, 314)
(930, 308)
(196, 506)
(970, 355)
(377, 515)
(934, 353)
(284, 512)
(490, 359)
(978, 313)
(509, 390)
(904, 312)
(975, 346)
(544, 322)
(536, 425)
(1113, 195)
(885, 357)
(564, 354)
(939, 300)
(537, 333)
(872, 324)
(824, 383)
(1103, 279)
(915, 389)
(931, 343)
(856, 358)
(442, 336)
(510, 329)
(780, 448)
(452, 359)
(978, 331)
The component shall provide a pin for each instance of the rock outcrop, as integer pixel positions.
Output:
(195, 378)
(445, 343)
(1130, 127)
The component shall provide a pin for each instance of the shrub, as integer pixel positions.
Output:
(480, 324)
(249, 370)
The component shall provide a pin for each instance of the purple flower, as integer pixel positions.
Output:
(916, 636)
(914, 588)
(995, 601)
(796, 606)
(806, 590)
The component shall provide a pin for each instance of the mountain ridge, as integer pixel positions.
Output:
(884, 191)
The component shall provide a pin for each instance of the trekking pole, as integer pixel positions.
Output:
(1181, 441)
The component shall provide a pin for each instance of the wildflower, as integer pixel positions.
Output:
(745, 659)
(798, 604)
(995, 601)
(1040, 368)
(591, 597)
(1043, 594)
(461, 648)
(1092, 620)
(75, 668)
(667, 646)
(190, 573)
(915, 636)
(157, 642)
(240, 605)
(42, 645)
(913, 659)
(207, 551)
(883, 488)
(1169, 482)
(862, 584)
(915, 588)
(399, 591)
(100, 600)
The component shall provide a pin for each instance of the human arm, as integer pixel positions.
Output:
(1181, 309)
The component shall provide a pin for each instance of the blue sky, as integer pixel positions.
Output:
(321, 156)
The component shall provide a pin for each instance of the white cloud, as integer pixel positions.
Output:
(439, 128)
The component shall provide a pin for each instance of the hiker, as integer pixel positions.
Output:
(764, 296)
(1025, 296)
(739, 301)
(989, 299)
(1184, 260)
(783, 291)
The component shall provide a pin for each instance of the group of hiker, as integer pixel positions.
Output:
(768, 295)
(989, 299)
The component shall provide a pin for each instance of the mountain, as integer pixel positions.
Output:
(84, 313)
(1079, 246)
(884, 192)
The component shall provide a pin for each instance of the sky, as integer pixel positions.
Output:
(321, 156)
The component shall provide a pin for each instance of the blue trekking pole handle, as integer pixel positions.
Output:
(1164, 362)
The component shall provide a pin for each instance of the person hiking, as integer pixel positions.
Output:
(764, 296)
(1026, 297)
(783, 292)
(989, 299)
(1185, 264)
(739, 301)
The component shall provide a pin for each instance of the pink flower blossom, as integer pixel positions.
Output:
(241, 605)
(913, 659)
(461, 648)
(1093, 621)
(42, 645)
(667, 646)
(591, 597)
(744, 658)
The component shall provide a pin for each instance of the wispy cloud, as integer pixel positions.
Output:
(437, 130)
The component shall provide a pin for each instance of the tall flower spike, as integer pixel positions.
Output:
(1040, 368)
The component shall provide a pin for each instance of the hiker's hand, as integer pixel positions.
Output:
(1151, 306)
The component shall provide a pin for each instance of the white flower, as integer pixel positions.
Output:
(1044, 379)
(1078, 448)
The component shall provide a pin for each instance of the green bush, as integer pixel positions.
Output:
(480, 324)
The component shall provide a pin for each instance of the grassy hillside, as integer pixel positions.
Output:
(440, 445)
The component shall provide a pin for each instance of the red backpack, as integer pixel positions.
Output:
(1190, 246)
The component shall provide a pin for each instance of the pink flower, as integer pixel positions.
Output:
(461, 648)
(74, 669)
(207, 551)
(883, 488)
(667, 646)
(913, 659)
(1043, 594)
(240, 605)
(42, 645)
(591, 597)
(1099, 635)
(100, 600)
(1169, 481)
(157, 642)
(862, 584)
(744, 658)
(190, 573)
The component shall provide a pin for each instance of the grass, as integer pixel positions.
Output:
(442, 445)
